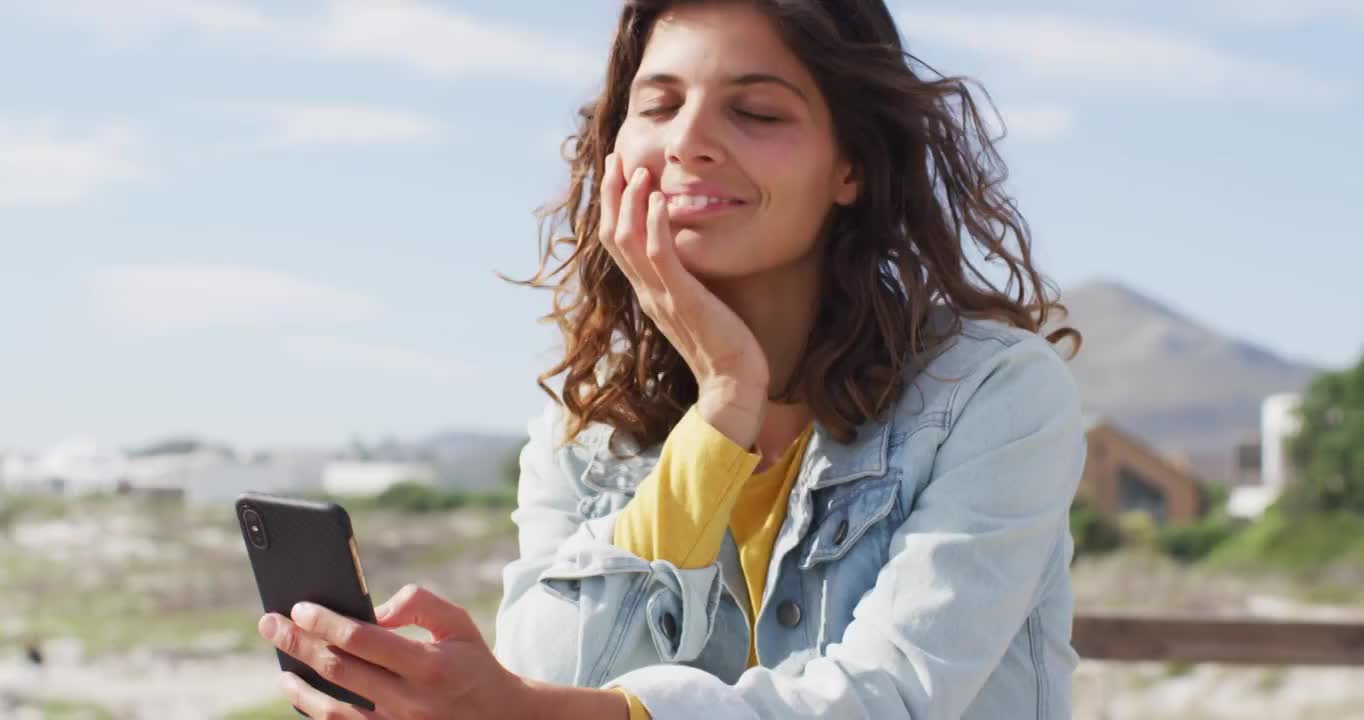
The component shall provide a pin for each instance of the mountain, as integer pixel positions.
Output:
(1181, 386)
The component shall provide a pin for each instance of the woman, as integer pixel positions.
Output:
(809, 462)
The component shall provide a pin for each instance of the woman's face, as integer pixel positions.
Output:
(721, 110)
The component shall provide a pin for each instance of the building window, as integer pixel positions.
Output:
(1248, 457)
(1247, 464)
(1136, 493)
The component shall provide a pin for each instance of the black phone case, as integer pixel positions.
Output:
(307, 558)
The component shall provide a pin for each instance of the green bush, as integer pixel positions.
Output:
(1191, 543)
(414, 497)
(418, 498)
(1093, 532)
(1212, 498)
(1137, 529)
(60, 709)
(503, 497)
(1303, 545)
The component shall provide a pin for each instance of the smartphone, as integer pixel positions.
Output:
(305, 550)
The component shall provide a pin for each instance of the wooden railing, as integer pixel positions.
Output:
(1257, 642)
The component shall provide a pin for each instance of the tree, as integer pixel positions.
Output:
(1328, 451)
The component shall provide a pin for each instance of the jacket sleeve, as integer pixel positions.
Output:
(576, 608)
(964, 569)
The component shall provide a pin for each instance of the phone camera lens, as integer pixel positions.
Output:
(255, 528)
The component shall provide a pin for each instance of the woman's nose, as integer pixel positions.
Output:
(691, 140)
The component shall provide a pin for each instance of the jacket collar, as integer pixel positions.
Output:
(828, 462)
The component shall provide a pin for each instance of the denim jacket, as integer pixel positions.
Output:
(922, 570)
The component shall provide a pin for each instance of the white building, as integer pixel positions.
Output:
(172, 473)
(279, 471)
(1279, 422)
(369, 477)
(72, 467)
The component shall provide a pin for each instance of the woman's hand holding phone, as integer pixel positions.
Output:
(454, 675)
(404, 677)
(731, 370)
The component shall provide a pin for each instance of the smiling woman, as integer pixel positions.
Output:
(808, 461)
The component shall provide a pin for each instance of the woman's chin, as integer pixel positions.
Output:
(706, 256)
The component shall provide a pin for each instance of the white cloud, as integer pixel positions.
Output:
(422, 36)
(129, 20)
(41, 165)
(1289, 12)
(445, 42)
(333, 351)
(1035, 121)
(1114, 58)
(339, 123)
(171, 297)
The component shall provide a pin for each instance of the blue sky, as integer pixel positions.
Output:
(281, 226)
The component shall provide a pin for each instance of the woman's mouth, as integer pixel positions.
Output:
(684, 206)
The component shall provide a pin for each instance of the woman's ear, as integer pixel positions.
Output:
(849, 185)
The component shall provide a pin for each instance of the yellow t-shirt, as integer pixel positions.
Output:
(703, 483)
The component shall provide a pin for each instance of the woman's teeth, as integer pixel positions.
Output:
(698, 201)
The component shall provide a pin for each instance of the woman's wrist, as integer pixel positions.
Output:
(735, 409)
(564, 702)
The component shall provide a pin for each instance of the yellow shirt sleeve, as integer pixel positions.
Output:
(680, 511)
(637, 711)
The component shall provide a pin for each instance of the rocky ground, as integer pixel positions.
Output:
(145, 610)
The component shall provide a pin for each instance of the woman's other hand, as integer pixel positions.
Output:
(732, 373)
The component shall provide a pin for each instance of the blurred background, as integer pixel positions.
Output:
(250, 245)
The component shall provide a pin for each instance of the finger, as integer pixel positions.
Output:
(415, 605)
(319, 705)
(352, 673)
(612, 185)
(379, 646)
(660, 247)
(631, 228)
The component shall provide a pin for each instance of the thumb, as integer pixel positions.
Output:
(415, 605)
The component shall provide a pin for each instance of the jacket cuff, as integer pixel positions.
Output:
(680, 605)
(680, 609)
(685, 692)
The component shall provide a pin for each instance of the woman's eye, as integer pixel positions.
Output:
(759, 117)
(662, 110)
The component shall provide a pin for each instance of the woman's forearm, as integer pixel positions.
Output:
(546, 701)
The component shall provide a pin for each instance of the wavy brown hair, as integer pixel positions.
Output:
(932, 195)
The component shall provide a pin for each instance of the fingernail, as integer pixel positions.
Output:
(267, 627)
(639, 173)
(304, 613)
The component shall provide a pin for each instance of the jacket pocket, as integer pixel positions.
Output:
(845, 515)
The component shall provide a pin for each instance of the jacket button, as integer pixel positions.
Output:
(788, 614)
(670, 626)
(841, 533)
